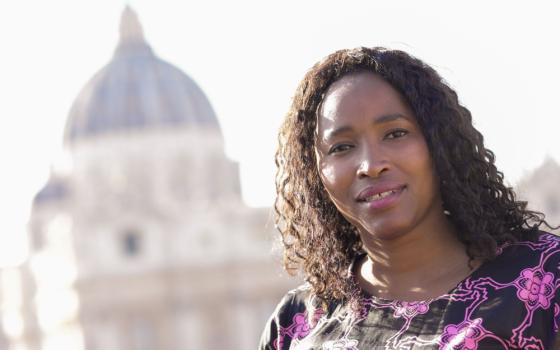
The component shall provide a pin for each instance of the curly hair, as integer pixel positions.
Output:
(319, 242)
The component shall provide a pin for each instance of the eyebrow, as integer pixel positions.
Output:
(387, 118)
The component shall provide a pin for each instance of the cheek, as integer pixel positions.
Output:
(426, 175)
(328, 174)
(335, 179)
(418, 161)
(337, 183)
(428, 169)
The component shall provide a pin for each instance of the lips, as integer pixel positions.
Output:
(379, 192)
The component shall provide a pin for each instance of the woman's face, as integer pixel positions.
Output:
(373, 159)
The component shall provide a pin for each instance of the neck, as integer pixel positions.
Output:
(414, 264)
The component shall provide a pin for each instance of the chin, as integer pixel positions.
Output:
(388, 235)
(383, 232)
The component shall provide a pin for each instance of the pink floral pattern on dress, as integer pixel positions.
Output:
(520, 286)
(464, 336)
(410, 309)
(535, 287)
(299, 328)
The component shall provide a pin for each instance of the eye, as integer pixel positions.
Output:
(395, 134)
(338, 148)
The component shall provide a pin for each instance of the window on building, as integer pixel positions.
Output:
(131, 243)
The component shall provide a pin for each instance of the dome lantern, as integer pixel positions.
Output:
(130, 28)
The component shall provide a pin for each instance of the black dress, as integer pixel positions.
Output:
(510, 302)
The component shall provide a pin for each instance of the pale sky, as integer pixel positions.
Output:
(503, 58)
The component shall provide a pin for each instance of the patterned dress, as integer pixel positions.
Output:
(510, 302)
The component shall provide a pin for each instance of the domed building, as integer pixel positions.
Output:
(146, 243)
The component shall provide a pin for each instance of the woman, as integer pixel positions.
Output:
(393, 210)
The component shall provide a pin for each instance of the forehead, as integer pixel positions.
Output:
(361, 95)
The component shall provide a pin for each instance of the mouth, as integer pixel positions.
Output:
(372, 195)
(377, 199)
(379, 196)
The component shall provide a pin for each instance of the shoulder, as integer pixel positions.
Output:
(297, 300)
(294, 317)
(531, 267)
(535, 263)
(538, 247)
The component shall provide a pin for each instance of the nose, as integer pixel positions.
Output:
(372, 164)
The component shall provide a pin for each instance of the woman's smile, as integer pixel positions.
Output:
(381, 197)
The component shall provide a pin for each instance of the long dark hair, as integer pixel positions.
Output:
(318, 240)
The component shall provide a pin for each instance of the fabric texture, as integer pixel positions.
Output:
(510, 302)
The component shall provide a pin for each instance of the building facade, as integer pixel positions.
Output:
(146, 243)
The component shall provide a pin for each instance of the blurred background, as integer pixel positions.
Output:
(138, 137)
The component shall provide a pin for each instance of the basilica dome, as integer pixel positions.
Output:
(137, 90)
